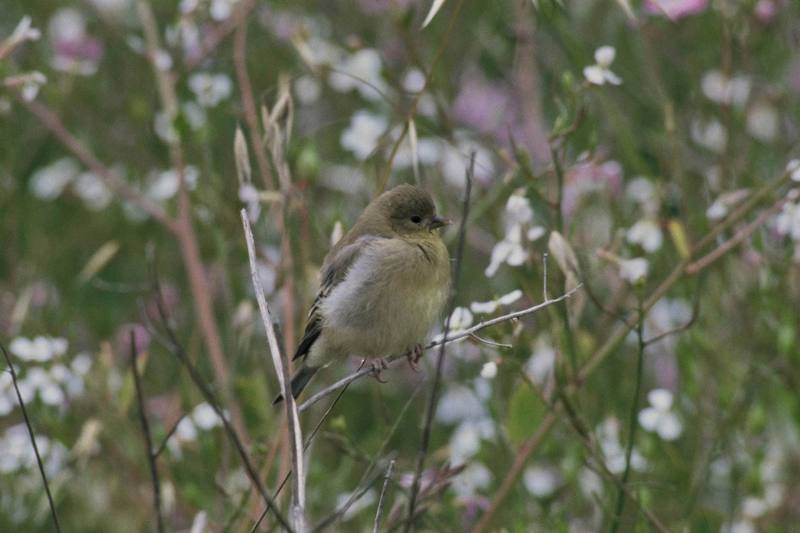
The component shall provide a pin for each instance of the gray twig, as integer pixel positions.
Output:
(378, 513)
(281, 363)
(33, 439)
(433, 397)
(148, 440)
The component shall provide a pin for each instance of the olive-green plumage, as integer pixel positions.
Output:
(383, 285)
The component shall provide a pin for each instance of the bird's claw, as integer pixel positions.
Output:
(413, 356)
(378, 366)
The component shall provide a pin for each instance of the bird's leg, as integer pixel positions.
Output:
(379, 364)
(413, 356)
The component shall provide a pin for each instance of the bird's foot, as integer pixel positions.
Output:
(379, 365)
(413, 356)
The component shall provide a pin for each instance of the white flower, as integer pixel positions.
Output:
(93, 191)
(465, 441)
(361, 71)
(471, 480)
(39, 349)
(658, 417)
(162, 60)
(31, 83)
(710, 134)
(541, 481)
(720, 207)
(23, 32)
(210, 89)
(763, 122)
(199, 523)
(600, 73)
(608, 436)
(455, 160)
(459, 403)
(205, 417)
(793, 168)
(164, 185)
(491, 306)
(461, 319)
(81, 364)
(647, 234)
(307, 89)
(361, 138)
(185, 431)
(221, 9)
(633, 270)
(721, 89)
(642, 191)
(518, 215)
(489, 370)
(414, 80)
(49, 182)
(540, 365)
(788, 221)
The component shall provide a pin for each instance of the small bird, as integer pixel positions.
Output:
(382, 288)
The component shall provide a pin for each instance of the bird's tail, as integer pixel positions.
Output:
(299, 381)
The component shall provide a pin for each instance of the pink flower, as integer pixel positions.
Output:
(675, 9)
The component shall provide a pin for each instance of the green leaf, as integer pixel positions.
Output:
(525, 410)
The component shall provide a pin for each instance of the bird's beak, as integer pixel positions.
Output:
(438, 222)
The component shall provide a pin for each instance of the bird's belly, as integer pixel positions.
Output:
(383, 322)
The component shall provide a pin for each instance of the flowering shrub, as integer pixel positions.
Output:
(642, 155)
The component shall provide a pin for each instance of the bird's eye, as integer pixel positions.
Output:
(416, 219)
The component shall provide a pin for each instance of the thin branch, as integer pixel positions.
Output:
(33, 439)
(433, 397)
(110, 179)
(632, 422)
(281, 363)
(392, 359)
(491, 343)
(737, 238)
(310, 438)
(172, 430)
(179, 352)
(148, 440)
(683, 327)
(379, 511)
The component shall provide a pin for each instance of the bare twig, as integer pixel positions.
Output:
(281, 363)
(33, 439)
(433, 397)
(393, 359)
(148, 440)
(379, 511)
(177, 349)
(172, 430)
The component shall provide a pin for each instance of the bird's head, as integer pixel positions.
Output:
(408, 210)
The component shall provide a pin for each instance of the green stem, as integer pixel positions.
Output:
(632, 425)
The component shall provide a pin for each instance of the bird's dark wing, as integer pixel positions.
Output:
(333, 272)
